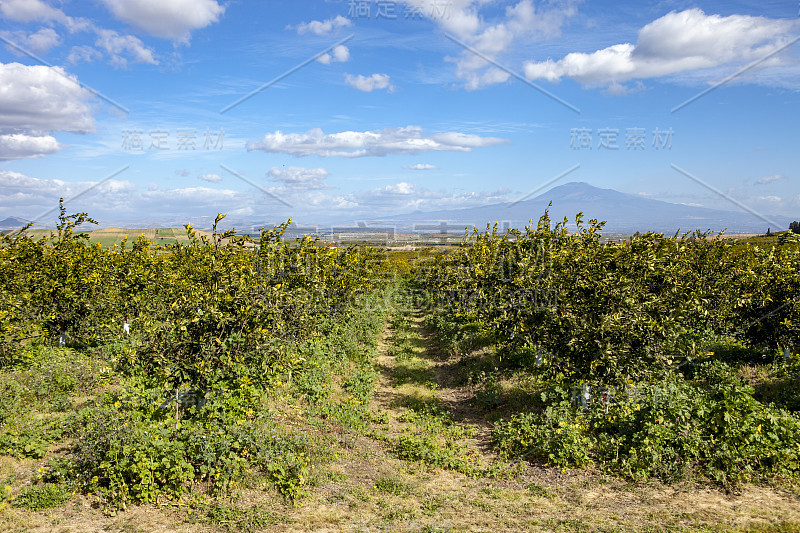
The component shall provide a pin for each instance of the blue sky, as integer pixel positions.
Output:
(406, 114)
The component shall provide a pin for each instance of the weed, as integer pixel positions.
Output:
(41, 497)
(392, 485)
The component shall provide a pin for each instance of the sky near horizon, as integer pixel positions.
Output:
(328, 110)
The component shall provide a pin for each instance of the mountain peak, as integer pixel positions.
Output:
(12, 223)
(624, 213)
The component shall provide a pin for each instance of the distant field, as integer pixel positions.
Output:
(108, 237)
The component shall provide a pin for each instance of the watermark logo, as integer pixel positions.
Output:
(393, 10)
(163, 140)
(609, 139)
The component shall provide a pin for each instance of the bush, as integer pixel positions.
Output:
(712, 427)
(558, 435)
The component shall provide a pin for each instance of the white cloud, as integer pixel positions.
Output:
(405, 197)
(119, 199)
(421, 166)
(38, 98)
(35, 101)
(36, 10)
(300, 177)
(211, 178)
(39, 42)
(523, 21)
(34, 196)
(115, 199)
(408, 140)
(403, 188)
(28, 10)
(769, 179)
(340, 54)
(83, 53)
(20, 146)
(401, 197)
(675, 43)
(369, 83)
(117, 46)
(455, 16)
(770, 198)
(170, 19)
(323, 27)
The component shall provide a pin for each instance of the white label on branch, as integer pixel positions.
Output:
(585, 396)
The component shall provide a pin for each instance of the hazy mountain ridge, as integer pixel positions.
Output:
(624, 214)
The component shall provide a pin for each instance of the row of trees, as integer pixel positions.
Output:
(194, 306)
(612, 312)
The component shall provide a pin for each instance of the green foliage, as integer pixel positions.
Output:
(558, 435)
(711, 426)
(609, 312)
(437, 441)
(41, 384)
(41, 497)
(216, 327)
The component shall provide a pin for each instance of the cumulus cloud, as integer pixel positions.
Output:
(115, 198)
(675, 43)
(170, 19)
(339, 54)
(20, 146)
(34, 195)
(39, 98)
(35, 101)
(300, 177)
(401, 197)
(769, 179)
(369, 83)
(408, 140)
(38, 42)
(405, 197)
(211, 178)
(36, 10)
(421, 166)
(323, 27)
(119, 199)
(119, 46)
(83, 53)
(523, 21)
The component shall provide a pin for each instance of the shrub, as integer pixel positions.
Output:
(711, 427)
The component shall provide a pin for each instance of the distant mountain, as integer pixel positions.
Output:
(12, 223)
(624, 214)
